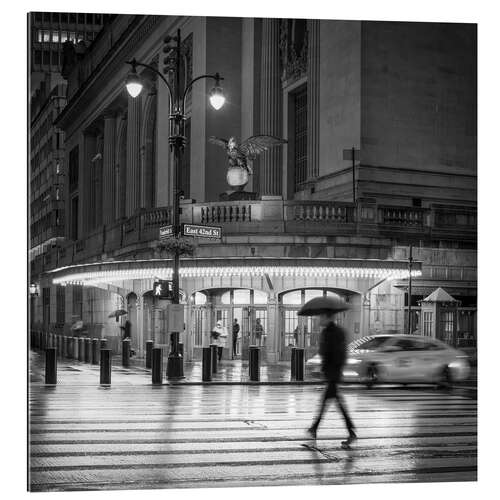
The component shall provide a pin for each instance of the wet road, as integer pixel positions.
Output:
(85, 437)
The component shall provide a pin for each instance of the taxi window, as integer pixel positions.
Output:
(374, 343)
(408, 345)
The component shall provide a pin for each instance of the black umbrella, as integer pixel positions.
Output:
(118, 312)
(320, 305)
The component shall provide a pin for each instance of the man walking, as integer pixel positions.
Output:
(236, 330)
(332, 349)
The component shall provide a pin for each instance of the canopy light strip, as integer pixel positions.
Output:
(91, 278)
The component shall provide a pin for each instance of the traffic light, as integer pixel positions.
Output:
(163, 289)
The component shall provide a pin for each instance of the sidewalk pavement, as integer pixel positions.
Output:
(73, 372)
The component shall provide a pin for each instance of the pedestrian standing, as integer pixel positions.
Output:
(219, 334)
(333, 352)
(236, 331)
(259, 331)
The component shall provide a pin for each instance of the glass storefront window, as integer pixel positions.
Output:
(241, 297)
(292, 298)
(311, 294)
(200, 299)
(259, 297)
(226, 298)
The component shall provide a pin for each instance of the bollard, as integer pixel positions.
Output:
(105, 378)
(156, 365)
(293, 352)
(104, 343)
(206, 361)
(149, 349)
(299, 363)
(88, 349)
(180, 348)
(254, 363)
(75, 348)
(95, 351)
(125, 352)
(81, 349)
(213, 348)
(60, 345)
(51, 365)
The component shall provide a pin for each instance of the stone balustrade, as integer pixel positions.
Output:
(271, 215)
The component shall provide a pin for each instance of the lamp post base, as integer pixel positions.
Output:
(175, 367)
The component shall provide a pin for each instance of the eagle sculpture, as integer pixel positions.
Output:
(248, 150)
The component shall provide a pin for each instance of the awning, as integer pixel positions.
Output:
(108, 272)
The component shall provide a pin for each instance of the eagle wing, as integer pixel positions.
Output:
(220, 142)
(257, 144)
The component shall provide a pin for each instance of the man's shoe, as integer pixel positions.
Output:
(312, 432)
(347, 443)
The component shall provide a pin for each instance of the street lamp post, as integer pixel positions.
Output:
(177, 142)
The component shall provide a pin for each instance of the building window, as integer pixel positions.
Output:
(64, 18)
(427, 323)
(55, 58)
(74, 218)
(46, 17)
(72, 18)
(77, 302)
(72, 37)
(38, 57)
(299, 134)
(60, 305)
(55, 17)
(55, 36)
(200, 299)
(89, 19)
(46, 35)
(447, 323)
(46, 58)
(64, 36)
(81, 18)
(73, 169)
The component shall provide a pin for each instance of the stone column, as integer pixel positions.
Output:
(108, 201)
(271, 108)
(133, 159)
(313, 82)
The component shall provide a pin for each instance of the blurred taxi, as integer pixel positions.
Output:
(402, 359)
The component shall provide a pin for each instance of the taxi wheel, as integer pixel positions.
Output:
(446, 378)
(371, 376)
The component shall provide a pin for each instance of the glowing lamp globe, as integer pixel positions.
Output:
(237, 177)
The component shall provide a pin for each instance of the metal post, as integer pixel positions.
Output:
(157, 365)
(353, 175)
(410, 261)
(95, 351)
(88, 351)
(104, 343)
(213, 349)
(206, 362)
(126, 352)
(51, 365)
(149, 349)
(105, 371)
(65, 346)
(292, 363)
(254, 363)
(81, 349)
(299, 363)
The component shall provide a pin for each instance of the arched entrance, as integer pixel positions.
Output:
(303, 331)
(247, 306)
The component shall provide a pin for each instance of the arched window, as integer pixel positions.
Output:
(259, 297)
(200, 299)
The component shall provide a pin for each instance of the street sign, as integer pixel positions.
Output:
(166, 231)
(175, 317)
(202, 231)
(163, 289)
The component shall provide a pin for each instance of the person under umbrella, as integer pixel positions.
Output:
(332, 349)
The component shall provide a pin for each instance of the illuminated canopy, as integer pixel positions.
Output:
(109, 272)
